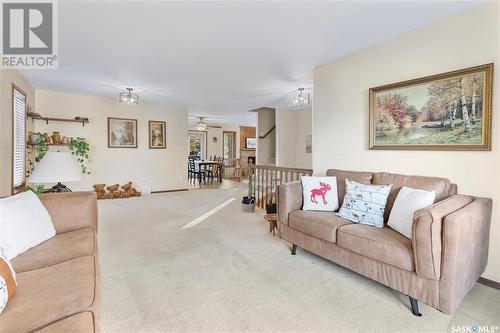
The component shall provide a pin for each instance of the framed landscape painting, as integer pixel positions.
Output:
(122, 133)
(250, 143)
(157, 134)
(450, 111)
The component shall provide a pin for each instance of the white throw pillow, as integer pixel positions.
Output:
(24, 223)
(365, 204)
(408, 201)
(320, 193)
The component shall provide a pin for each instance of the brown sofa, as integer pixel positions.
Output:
(447, 254)
(59, 280)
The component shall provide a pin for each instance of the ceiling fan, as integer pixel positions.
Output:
(202, 125)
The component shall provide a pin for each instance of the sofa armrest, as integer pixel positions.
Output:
(466, 234)
(426, 235)
(71, 211)
(290, 199)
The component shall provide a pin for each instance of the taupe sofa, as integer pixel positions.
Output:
(59, 280)
(447, 254)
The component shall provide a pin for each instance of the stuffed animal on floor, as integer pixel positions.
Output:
(131, 191)
(113, 188)
(100, 191)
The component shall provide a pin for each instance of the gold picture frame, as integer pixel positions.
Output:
(428, 113)
(157, 134)
(122, 133)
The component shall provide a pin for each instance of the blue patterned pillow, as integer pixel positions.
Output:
(365, 204)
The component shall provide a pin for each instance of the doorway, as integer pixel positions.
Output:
(229, 144)
(197, 144)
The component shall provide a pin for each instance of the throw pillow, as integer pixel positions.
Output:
(408, 201)
(8, 281)
(365, 204)
(24, 223)
(320, 193)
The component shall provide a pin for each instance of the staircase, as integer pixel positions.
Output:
(272, 159)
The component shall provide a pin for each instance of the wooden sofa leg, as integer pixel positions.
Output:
(414, 307)
(294, 249)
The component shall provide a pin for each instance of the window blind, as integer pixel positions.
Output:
(19, 144)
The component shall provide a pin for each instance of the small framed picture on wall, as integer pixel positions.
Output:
(157, 134)
(250, 143)
(122, 133)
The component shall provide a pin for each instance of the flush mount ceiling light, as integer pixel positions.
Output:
(301, 98)
(128, 97)
(201, 125)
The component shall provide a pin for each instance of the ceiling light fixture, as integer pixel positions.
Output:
(201, 125)
(128, 97)
(301, 98)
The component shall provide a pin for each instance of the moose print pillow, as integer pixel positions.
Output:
(365, 204)
(320, 193)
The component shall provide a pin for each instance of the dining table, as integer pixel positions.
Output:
(202, 165)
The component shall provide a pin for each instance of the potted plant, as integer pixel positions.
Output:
(37, 189)
(34, 138)
(248, 202)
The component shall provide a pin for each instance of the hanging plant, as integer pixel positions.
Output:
(41, 146)
(35, 151)
(80, 148)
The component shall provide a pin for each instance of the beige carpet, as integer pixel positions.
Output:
(229, 273)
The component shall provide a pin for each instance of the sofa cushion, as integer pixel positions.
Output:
(8, 282)
(49, 294)
(382, 244)
(24, 223)
(439, 185)
(357, 176)
(322, 225)
(365, 204)
(61, 247)
(80, 323)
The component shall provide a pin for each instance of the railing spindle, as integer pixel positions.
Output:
(267, 179)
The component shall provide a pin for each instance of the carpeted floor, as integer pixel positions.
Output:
(228, 273)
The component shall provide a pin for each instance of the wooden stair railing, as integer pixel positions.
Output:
(232, 169)
(266, 180)
(267, 133)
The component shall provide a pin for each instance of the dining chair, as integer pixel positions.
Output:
(196, 172)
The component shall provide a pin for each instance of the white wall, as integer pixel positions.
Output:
(215, 148)
(340, 110)
(292, 126)
(304, 127)
(163, 169)
(7, 78)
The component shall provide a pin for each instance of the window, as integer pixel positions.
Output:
(18, 139)
(229, 144)
(197, 143)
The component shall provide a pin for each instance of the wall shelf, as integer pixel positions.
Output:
(52, 144)
(81, 120)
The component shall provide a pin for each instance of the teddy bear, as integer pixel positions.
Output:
(124, 195)
(100, 191)
(132, 192)
(113, 188)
